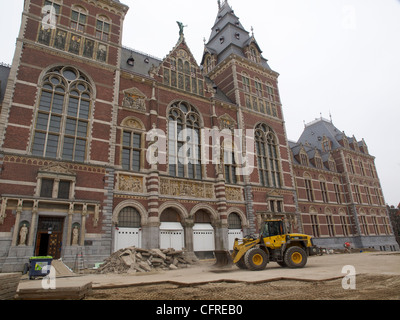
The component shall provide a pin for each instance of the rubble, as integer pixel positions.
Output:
(131, 260)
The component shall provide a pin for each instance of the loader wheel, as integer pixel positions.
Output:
(256, 259)
(241, 264)
(295, 257)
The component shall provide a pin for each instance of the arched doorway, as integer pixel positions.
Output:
(203, 235)
(234, 229)
(128, 231)
(172, 234)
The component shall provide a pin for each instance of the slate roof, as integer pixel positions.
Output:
(314, 132)
(236, 38)
(143, 62)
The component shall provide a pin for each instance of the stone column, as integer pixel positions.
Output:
(33, 222)
(83, 224)
(69, 228)
(188, 227)
(17, 221)
(151, 232)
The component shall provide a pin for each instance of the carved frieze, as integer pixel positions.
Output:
(134, 99)
(233, 194)
(130, 183)
(180, 188)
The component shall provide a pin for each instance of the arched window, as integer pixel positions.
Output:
(267, 157)
(78, 18)
(132, 144)
(103, 28)
(129, 217)
(62, 120)
(184, 141)
(234, 221)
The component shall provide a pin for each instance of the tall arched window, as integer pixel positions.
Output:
(184, 148)
(234, 221)
(267, 157)
(62, 121)
(129, 217)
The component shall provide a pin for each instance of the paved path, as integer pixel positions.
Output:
(318, 268)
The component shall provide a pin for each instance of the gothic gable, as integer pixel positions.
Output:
(180, 70)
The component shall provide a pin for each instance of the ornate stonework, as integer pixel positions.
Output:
(173, 187)
(129, 183)
(233, 194)
(134, 99)
(227, 122)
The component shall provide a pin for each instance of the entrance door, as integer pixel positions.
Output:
(171, 235)
(49, 237)
(203, 237)
(127, 237)
(128, 233)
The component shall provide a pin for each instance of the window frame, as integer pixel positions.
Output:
(72, 116)
(132, 149)
(80, 26)
(180, 165)
(56, 179)
(268, 157)
(103, 20)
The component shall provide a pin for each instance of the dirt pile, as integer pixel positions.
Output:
(132, 260)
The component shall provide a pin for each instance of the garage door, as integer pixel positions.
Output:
(127, 237)
(172, 236)
(203, 237)
(232, 235)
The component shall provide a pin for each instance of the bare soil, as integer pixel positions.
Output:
(368, 287)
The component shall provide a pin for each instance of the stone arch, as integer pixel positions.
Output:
(133, 123)
(206, 207)
(245, 222)
(191, 107)
(179, 208)
(131, 203)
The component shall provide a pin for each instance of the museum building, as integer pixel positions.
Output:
(103, 147)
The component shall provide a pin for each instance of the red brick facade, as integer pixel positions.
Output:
(91, 169)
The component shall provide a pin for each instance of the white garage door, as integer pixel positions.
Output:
(172, 236)
(203, 237)
(232, 235)
(127, 237)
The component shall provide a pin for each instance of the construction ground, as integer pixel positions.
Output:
(328, 277)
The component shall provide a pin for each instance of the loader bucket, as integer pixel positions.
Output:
(224, 259)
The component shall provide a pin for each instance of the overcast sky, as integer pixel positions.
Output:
(333, 56)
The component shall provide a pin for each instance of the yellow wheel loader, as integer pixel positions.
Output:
(273, 244)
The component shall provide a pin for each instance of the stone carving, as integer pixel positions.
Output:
(57, 169)
(75, 236)
(22, 235)
(180, 188)
(133, 123)
(3, 210)
(96, 215)
(134, 99)
(233, 194)
(130, 184)
(227, 122)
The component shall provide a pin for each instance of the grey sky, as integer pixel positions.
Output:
(334, 56)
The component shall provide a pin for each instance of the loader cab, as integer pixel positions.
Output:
(272, 228)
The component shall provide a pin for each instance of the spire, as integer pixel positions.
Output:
(228, 36)
(220, 6)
